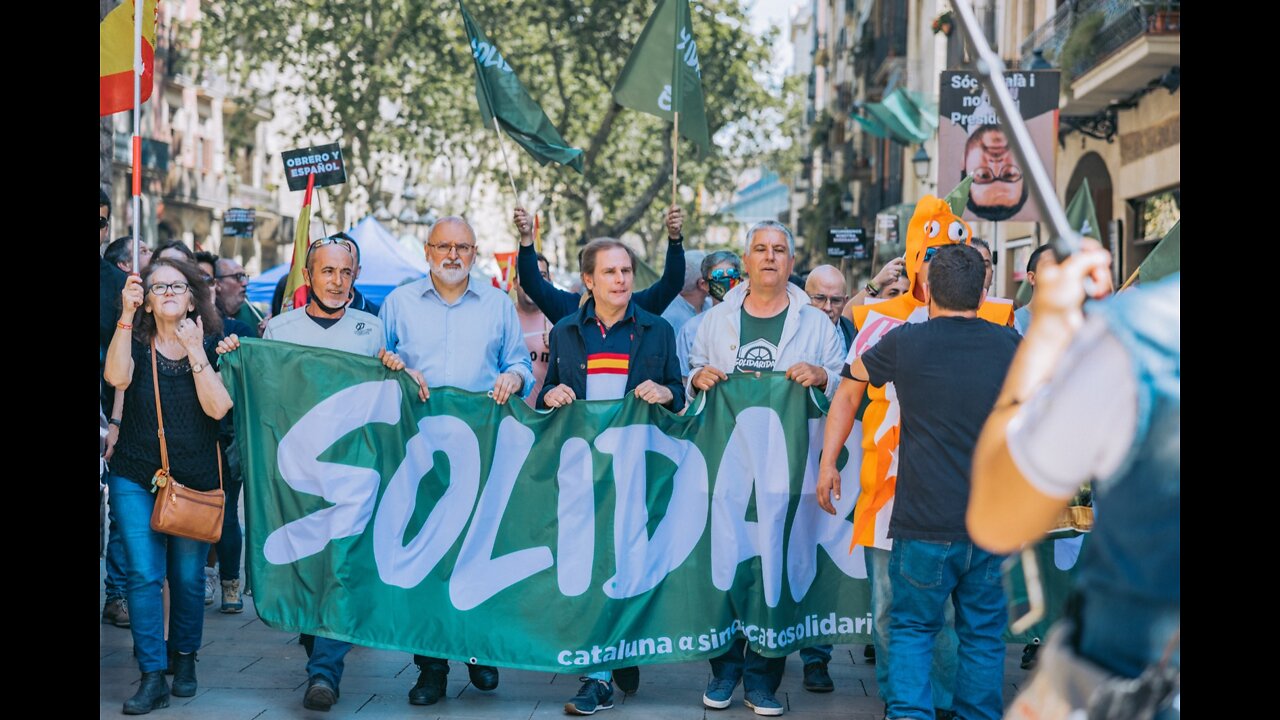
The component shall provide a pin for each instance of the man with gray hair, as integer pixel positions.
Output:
(692, 299)
(452, 331)
(764, 324)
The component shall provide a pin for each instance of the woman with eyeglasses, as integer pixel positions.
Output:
(166, 346)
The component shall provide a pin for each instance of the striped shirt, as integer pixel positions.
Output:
(608, 354)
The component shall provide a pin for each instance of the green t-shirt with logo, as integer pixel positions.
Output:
(758, 342)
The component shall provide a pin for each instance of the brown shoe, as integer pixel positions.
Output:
(116, 612)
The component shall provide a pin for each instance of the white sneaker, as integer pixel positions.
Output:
(212, 583)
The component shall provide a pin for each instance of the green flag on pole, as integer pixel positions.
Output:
(501, 95)
(650, 82)
(1081, 215)
(959, 196)
(1165, 259)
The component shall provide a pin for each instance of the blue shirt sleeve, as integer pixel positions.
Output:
(657, 297)
(515, 356)
(551, 300)
(387, 316)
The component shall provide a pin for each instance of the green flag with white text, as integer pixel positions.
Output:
(501, 95)
(599, 535)
(663, 75)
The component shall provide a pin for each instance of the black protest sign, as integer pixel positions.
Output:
(238, 222)
(324, 160)
(847, 242)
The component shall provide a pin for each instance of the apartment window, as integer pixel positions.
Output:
(1155, 215)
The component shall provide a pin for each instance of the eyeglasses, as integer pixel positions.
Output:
(985, 176)
(178, 288)
(238, 277)
(102, 222)
(836, 300)
(463, 249)
(208, 279)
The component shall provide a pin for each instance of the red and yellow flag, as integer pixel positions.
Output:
(295, 288)
(115, 56)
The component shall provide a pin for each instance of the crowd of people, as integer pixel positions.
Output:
(951, 364)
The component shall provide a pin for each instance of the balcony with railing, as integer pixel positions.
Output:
(1107, 49)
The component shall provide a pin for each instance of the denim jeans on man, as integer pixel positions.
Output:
(150, 557)
(756, 671)
(926, 575)
(325, 657)
(942, 674)
(115, 584)
(232, 542)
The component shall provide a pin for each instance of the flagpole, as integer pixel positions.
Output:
(675, 156)
(505, 161)
(137, 127)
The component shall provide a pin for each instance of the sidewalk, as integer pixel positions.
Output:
(249, 671)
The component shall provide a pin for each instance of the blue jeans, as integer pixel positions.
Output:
(116, 584)
(942, 675)
(150, 557)
(925, 574)
(232, 542)
(325, 657)
(816, 654)
(756, 671)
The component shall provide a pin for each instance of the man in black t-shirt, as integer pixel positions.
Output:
(947, 373)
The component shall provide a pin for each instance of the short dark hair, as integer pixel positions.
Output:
(956, 276)
(104, 201)
(179, 246)
(979, 242)
(593, 248)
(207, 257)
(1034, 260)
(119, 250)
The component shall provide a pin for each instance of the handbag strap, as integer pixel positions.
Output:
(155, 383)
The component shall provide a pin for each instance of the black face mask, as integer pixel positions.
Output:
(311, 296)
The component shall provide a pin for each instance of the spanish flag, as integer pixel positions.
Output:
(115, 57)
(295, 288)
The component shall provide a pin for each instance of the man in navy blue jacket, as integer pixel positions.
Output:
(556, 303)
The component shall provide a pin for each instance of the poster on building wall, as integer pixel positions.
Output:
(238, 222)
(972, 143)
(323, 160)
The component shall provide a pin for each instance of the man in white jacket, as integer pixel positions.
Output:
(764, 324)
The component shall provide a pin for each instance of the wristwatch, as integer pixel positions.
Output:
(114, 421)
(198, 367)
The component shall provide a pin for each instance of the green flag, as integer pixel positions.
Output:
(959, 196)
(501, 95)
(650, 82)
(1165, 258)
(1080, 213)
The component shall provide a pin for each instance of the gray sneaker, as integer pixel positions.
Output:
(210, 584)
(231, 602)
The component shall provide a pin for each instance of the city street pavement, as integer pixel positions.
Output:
(248, 671)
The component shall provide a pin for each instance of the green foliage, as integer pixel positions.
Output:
(393, 80)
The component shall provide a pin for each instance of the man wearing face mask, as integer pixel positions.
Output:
(721, 271)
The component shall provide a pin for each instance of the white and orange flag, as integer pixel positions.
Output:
(295, 288)
(115, 56)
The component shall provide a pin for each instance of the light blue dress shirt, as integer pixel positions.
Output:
(465, 344)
